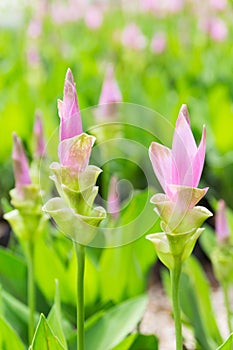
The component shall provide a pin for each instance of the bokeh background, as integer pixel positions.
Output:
(164, 53)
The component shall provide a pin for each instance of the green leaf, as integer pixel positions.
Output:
(8, 338)
(126, 343)
(196, 302)
(55, 320)
(208, 241)
(115, 324)
(145, 342)
(14, 283)
(44, 339)
(228, 344)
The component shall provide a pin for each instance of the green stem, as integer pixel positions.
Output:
(80, 253)
(175, 278)
(31, 290)
(227, 305)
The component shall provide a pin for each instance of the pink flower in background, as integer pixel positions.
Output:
(133, 38)
(113, 203)
(34, 28)
(110, 92)
(216, 28)
(93, 17)
(221, 223)
(20, 164)
(39, 136)
(218, 5)
(68, 109)
(158, 43)
(183, 164)
(33, 56)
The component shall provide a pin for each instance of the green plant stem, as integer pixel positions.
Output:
(80, 254)
(30, 290)
(227, 305)
(175, 279)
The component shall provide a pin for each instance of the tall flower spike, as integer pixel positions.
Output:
(110, 90)
(20, 164)
(68, 109)
(113, 204)
(39, 136)
(221, 223)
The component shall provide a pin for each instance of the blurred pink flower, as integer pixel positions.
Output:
(133, 38)
(182, 165)
(68, 109)
(218, 5)
(221, 223)
(33, 56)
(216, 28)
(34, 28)
(110, 90)
(113, 203)
(20, 164)
(39, 136)
(93, 17)
(158, 43)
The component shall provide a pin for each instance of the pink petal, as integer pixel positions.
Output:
(69, 112)
(39, 136)
(198, 162)
(20, 164)
(162, 162)
(221, 223)
(110, 91)
(184, 148)
(75, 152)
(113, 203)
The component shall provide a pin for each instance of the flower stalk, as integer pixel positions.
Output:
(80, 255)
(175, 273)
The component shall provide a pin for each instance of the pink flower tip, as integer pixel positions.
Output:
(20, 164)
(39, 136)
(110, 90)
(68, 109)
(221, 223)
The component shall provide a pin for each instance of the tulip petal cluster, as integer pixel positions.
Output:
(27, 219)
(179, 171)
(74, 179)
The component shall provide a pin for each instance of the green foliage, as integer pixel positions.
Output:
(115, 324)
(228, 344)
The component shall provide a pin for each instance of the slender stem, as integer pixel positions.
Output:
(31, 290)
(175, 278)
(227, 305)
(80, 253)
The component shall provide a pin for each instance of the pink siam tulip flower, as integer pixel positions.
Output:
(93, 17)
(75, 146)
(68, 109)
(158, 43)
(133, 38)
(216, 28)
(178, 171)
(20, 164)
(34, 28)
(39, 136)
(221, 223)
(110, 91)
(183, 164)
(113, 199)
